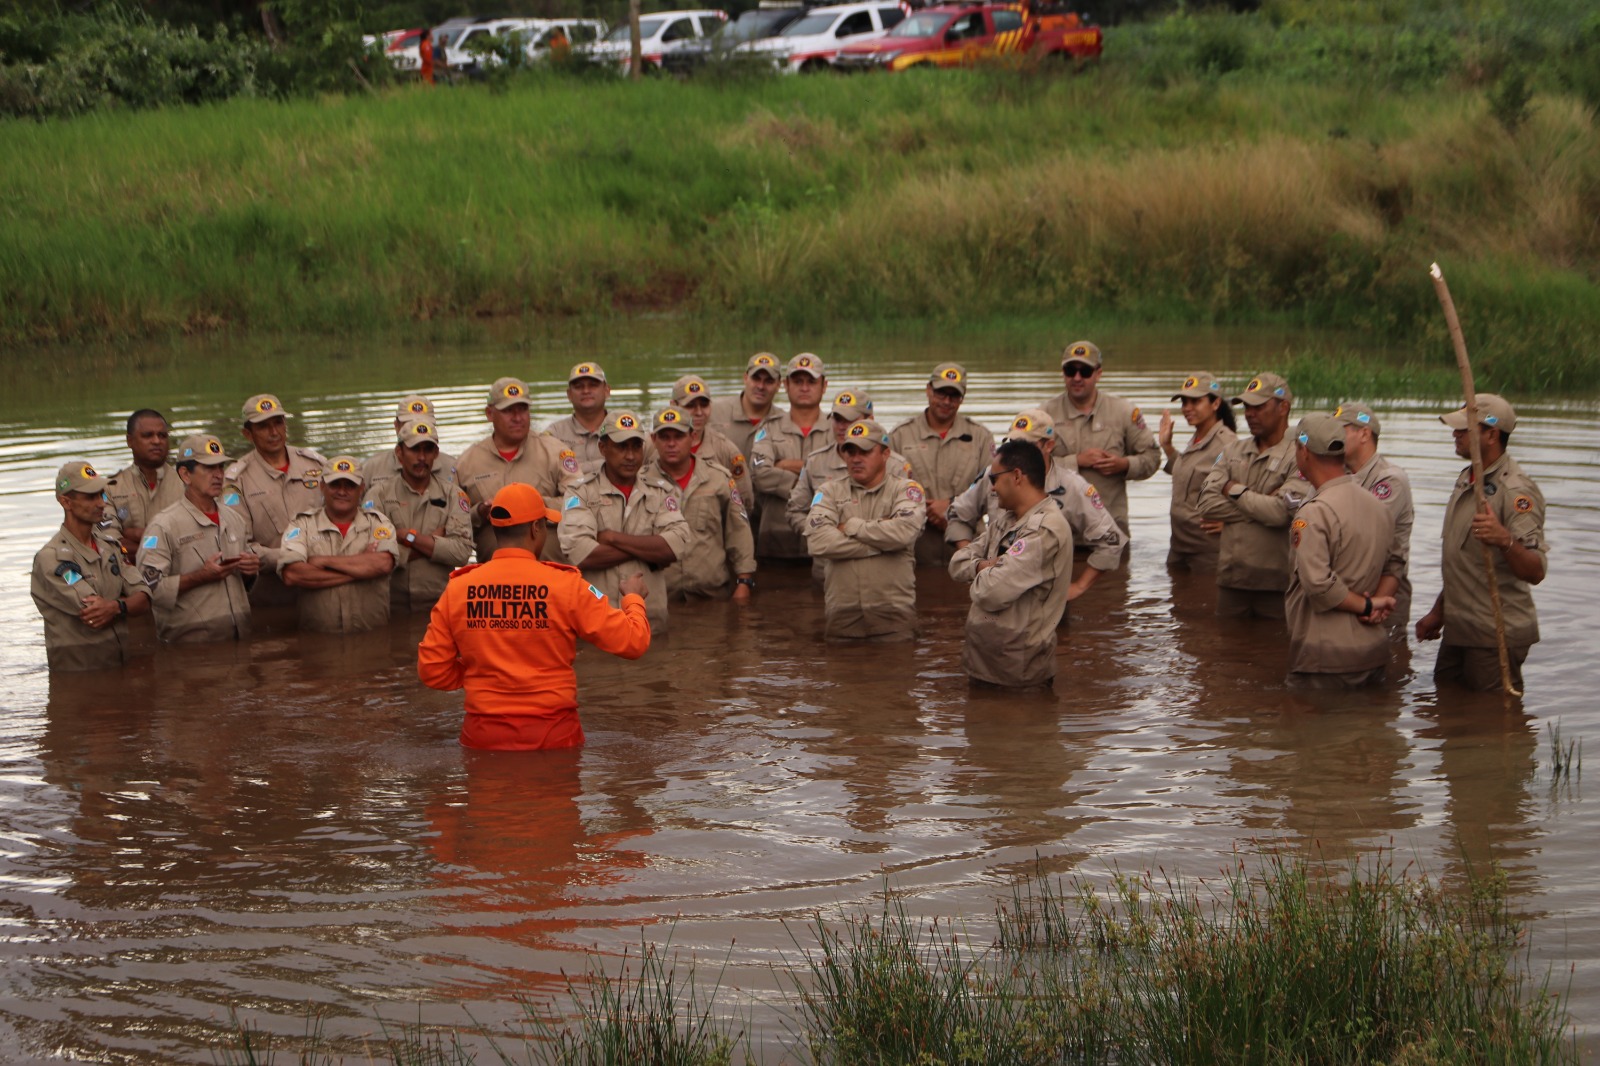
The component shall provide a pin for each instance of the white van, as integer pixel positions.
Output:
(659, 33)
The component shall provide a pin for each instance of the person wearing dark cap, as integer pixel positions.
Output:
(1021, 576)
(588, 391)
(197, 554)
(507, 631)
(274, 482)
(510, 453)
(1207, 410)
(1512, 526)
(84, 589)
(341, 556)
(706, 441)
(148, 485)
(1392, 488)
(947, 451)
(778, 453)
(866, 526)
(432, 518)
(1338, 545)
(615, 522)
(386, 464)
(740, 416)
(719, 560)
(1242, 500)
(1104, 437)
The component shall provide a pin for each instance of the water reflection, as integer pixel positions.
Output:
(291, 821)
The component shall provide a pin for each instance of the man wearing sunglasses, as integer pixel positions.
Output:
(1102, 436)
(1021, 576)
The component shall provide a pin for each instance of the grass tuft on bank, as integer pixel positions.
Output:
(1285, 961)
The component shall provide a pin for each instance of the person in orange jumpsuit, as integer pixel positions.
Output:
(506, 631)
(425, 55)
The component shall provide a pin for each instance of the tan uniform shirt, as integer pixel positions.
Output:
(1190, 547)
(271, 497)
(584, 444)
(359, 605)
(944, 467)
(1018, 602)
(774, 442)
(1254, 549)
(871, 586)
(1468, 612)
(441, 509)
(728, 418)
(714, 445)
(132, 503)
(1390, 485)
(178, 541)
(65, 571)
(1080, 504)
(541, 461)
(720, 542)
(1117, 426)
(593, 504)
(386, 464)
(1338, 544)
(822, 467)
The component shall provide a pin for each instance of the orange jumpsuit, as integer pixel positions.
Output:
(507, 631)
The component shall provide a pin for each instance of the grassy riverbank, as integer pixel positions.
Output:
(1184, 197)
(1289, 962)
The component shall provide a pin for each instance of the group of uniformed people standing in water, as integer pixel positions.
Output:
(1304, 522)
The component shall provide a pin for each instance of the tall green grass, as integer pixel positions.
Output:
(953, 197)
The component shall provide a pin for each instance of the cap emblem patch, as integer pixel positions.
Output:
(418, 407)
(1194, 383)
(266, 404)
(951, 374)
(694, 388)
(626, 422)
(513, 390)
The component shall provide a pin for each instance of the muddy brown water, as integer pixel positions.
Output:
(223, 835)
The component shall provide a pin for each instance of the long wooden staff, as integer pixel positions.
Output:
(1476, 446)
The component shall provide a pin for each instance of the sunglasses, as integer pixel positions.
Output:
(995, 475)
(1078, 370)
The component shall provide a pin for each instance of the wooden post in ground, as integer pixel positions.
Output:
(635, 51)
(1470, 392)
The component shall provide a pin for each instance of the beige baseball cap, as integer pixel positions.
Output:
(79, 476)
(690, 387)
(343, 468)
(674, 418)
(263, 406)
(1034, 424)
(805, 363)
(201, 448)
(1199, 383)
(1492, 411)
(949, 376)
(863, 433)
(1264, 387)
(1322, 434)
(1356, 414)
(586, 370)
(507, 392)
(1081, 352)
(414, 406)
(415, 431)
(762, 361)
(624, 425)
(852, 405)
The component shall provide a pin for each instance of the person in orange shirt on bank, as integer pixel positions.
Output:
(506, 631)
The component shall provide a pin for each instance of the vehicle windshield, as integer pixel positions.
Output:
(751, 25)
(809, 26)
(648, 28)
(927, 24)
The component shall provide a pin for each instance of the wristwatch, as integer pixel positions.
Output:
(122, 608)
(749, 581)
(411, 534)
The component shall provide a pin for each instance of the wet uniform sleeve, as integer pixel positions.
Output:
(1214, 505)
(899, 529)
(1523, 513)
(1091, 523)
(1022, 566)
(964, 563)
(51, 590)
(155, 565)
(738, 542)
(798, 505)
(623, 631)
(453, 547)
(1144, 454)
(1398, 501)
(439, 662)
(1312, 546)
(768, 479)
(386, 537)
(295, 546)
(671, 526)
(576, 531)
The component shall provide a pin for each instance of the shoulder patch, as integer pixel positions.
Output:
(914, 492)
(293, 534)
(569, 460)
(150, 541)
(1299, 523)
(572, 501)
(761, 435)
(231, 499)
(672, 503)
(1522, 504)
(382, 532)
(1383, 490)
(367, 505)
(597, 593)
(1018, 546)
(462, 501)
(1094, 497)
(1137, 418)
